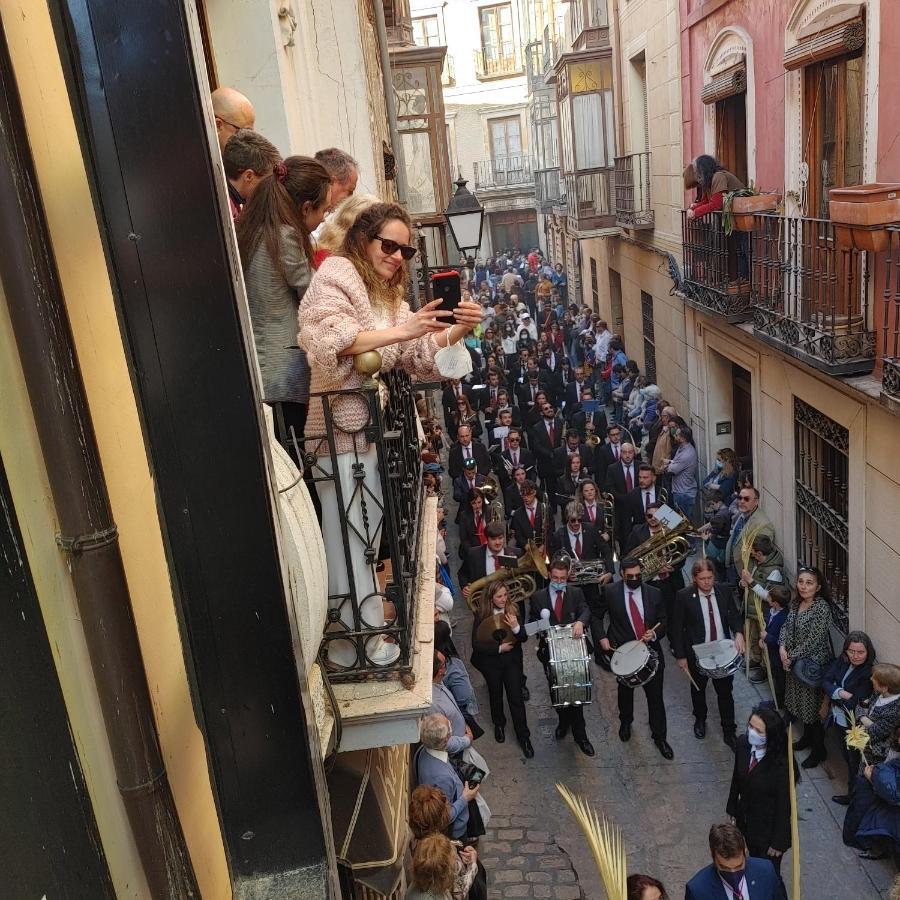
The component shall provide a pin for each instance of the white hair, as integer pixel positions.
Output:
(434, 731)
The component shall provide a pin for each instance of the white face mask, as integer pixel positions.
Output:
(754, 738)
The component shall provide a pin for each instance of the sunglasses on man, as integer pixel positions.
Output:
(390, 247)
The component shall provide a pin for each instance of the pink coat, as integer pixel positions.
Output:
(334, 310)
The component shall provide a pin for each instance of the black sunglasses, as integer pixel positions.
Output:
(391, 247)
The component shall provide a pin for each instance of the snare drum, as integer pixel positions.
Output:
(570, 667)
(717, 659)
(634, 664)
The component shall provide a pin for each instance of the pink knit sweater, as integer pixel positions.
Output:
(334, 310)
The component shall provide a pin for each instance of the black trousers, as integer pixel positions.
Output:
(505, 674)
(570, 717)
(656, 706)
(724, 695)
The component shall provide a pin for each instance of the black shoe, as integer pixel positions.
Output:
(561, 731)
(527, 749)
(625, 731)
(814, 758)
(841, 799)
(586, 747)
(802, 744)
(872, 854)
(664, 748)
(526, 694)
(757, 676)
(730, 738)
(699, 729)
(499, 734)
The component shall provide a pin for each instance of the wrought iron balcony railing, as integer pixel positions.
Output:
(716, 267)
(448, 73)
(811, 296)
(549, 188)
(890, 319)
(380, 511)
(498, 61)
(633, 209)
(589, 198)
(504, 172)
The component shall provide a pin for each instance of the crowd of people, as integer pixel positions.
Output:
(555, 447)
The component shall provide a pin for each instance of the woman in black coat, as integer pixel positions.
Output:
(847, 682)
(760, 800)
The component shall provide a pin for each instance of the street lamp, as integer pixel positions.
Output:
(465, 217)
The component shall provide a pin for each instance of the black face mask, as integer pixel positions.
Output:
(632, 581)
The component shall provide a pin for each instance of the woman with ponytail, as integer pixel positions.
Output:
(276, 250)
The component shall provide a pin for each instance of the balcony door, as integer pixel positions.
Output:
(497, 39)
(506, 149)
(731, 134)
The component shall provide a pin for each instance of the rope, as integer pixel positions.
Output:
(345, 847)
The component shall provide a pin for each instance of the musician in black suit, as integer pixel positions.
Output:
(451, 393)
(546, 435)
(636, 613)
(517, 455)
(488, 402)
(621, 480)
(586, 423)
(634, 506)
(573, 444)
(575, 388)
(606, 454)
(704, 612)
(472, 524)
(528, 519)
(527, 391)
(464, 448)
(564, 605)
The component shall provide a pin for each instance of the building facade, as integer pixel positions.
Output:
(788, 331)
(486, 107)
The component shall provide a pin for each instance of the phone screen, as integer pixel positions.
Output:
(447, 288)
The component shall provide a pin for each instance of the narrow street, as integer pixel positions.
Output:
(533, 847)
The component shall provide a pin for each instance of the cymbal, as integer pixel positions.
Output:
(494, 630)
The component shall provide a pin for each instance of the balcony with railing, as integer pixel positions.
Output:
(589, 199)
(448, 72)
(633, 209)
(716, 268)
(498, 61)
(810, 296)
(504, 173)
(551, 51)
(549, 189)
(889, 343)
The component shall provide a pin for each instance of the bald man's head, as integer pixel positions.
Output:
(233, 111)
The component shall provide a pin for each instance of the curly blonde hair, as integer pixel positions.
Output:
(434, 864)
(336, 226)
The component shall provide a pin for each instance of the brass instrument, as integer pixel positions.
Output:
(592, 440)
(520, 584)
(585, 571)
(670, 547)
(608, 501)
(494, 629)
(492, 495)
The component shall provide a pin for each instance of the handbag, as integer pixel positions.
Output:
(810, 672)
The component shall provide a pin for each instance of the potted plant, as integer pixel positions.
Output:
(739, 207)
(861, 213)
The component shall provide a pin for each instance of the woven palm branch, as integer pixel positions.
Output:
(857, 737)
(605, 841)
(748, 536)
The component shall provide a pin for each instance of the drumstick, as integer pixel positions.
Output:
(694, 683)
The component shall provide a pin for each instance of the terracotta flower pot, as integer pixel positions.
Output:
(861, 213)
(743, 209)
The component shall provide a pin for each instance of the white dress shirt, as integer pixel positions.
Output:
(744, 892)
(705, 600)
(573, 537)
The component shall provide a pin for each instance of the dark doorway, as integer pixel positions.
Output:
(52, 847)
(731, 134)
(743, 415)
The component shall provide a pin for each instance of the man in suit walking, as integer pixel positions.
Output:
(637, 613)
(546, 436)
(606, 454)
(705, 612)
(528, 519)
(564, 605)
(621, 480)
(465, 448)
(645, 493)
(733, 874)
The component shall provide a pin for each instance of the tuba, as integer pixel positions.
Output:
(670, 547)
(492, 497)
(520, 582)
(585, 571)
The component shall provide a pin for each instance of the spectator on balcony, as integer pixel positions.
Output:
(344, 172)
(711, 182)
(331, 235)
(273, 234)
(431, 766)
(355, 305)
(232, 112)
(247, 158)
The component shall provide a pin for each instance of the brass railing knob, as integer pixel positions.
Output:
(367, 364)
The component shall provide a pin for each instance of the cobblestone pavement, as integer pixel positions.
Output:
(533, 848)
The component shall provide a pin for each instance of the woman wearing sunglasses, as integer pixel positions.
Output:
(356, 304)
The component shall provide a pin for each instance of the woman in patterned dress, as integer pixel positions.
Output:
(805, 635)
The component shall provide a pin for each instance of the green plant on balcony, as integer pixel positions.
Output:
(739, 217)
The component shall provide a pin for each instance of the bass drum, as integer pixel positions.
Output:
(570, 668)
(634, 664)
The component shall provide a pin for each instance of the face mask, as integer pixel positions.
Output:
(719, 464)
(733, 878)
(673, 432)
(557, 586)
(755, 738)
(632, 581)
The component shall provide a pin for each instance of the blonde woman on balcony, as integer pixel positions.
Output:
(355, 304)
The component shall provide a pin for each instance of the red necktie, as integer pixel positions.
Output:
(629, 484)
(468, 452)
(646, 500)
(754, 762)
(496, 557)
(592, 514)
(531, 516)
(552, 432)
(515, 457)
(616, 450)
(713, 631)
(558, 609)
(505, 444)
(637, 621)
(578, 545)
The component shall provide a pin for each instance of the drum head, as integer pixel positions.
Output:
(630, 658)
(717, 654)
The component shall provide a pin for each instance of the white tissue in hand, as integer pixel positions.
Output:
(545, 613)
